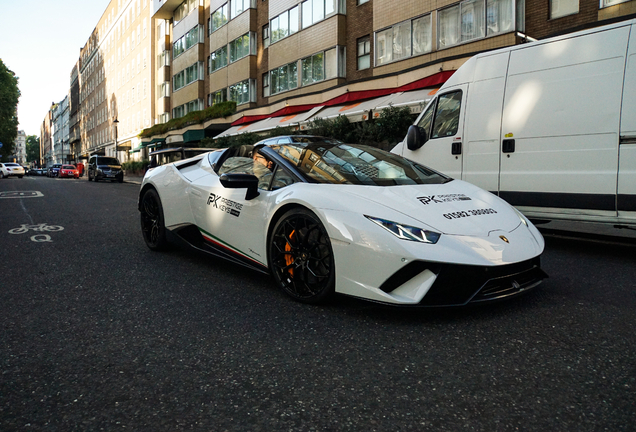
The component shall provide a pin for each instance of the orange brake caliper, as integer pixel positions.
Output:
(289, 258)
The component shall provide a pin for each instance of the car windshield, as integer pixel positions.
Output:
(11, 165)
(107, 161)
(309, 139)
(71, 167)
(337, 163)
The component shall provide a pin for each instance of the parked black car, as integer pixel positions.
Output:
(105, 168)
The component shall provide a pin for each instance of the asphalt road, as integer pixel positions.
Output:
(99, 333)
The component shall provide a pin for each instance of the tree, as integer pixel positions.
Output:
(9, 95)
(33, 148)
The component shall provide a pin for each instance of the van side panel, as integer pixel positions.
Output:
(560, 109)
(482, 130)
(627, 162)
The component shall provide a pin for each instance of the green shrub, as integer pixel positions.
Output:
(384, 132)
(219, 110)
(135, 167)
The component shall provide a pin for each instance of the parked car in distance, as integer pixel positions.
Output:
(105, 168)
(69, 171)
(11, 169)
(165, 156)
(54, 170)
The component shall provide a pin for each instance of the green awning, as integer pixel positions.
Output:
(193, 135)
(138, 149)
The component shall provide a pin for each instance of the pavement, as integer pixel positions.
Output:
(137, 179)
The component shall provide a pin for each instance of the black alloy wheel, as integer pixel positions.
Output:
(301, 257)
(152, 223)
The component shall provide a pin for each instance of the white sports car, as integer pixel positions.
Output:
(323, 217)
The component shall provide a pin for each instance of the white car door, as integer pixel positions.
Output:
(228, 221)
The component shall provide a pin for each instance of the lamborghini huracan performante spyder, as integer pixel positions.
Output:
(325, 217)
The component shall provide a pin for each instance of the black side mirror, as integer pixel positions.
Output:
(415, 137)
(241, 181)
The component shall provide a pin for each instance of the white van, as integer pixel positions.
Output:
(549, 126)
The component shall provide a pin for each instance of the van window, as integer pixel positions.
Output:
(447, 115)
(427, 119)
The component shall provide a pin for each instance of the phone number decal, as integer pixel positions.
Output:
(469, 213)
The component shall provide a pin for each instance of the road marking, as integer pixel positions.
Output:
(21, 194)
(38, 238)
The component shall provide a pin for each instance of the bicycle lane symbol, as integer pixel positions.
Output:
(38, 238)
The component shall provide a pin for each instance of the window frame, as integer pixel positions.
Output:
(364, 41)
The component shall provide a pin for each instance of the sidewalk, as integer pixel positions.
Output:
(137, 179)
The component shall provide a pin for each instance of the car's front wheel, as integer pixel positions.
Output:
(301, 257)
(152, 222)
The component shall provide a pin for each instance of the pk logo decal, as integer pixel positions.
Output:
(436, 199)
(212, 199)
(225, 205)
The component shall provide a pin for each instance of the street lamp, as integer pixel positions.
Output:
(115, 123)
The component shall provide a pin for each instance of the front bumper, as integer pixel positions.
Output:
(460, 285)
(457, 270)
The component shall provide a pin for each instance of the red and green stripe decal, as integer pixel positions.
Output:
(220, 244)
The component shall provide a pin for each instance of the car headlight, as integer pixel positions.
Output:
(406, 232)
(524, 220)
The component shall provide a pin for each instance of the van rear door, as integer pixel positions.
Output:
(627, 164)
(561, 121)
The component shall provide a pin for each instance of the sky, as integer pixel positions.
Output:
(40, 42)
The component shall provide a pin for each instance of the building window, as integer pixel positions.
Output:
(284, 24)
(265, 35)
(284, 78)
(243, 92)
(164, 89)
(561, 8)
(218, 59)
(403, 40)
(237, 7)
(362, 1)
(190, 39)
(266, 84)
(499, 16)
(241, 47)
(217, 97)
(473, 19)
(219, 17)
(608, 3)
(164, 59)
(323, 65)
(181, 110)
(187, 76)
(183, 10)
(364, 53)
(317, 10)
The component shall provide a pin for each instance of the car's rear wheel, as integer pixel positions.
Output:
(301, 257)
(152, 222)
